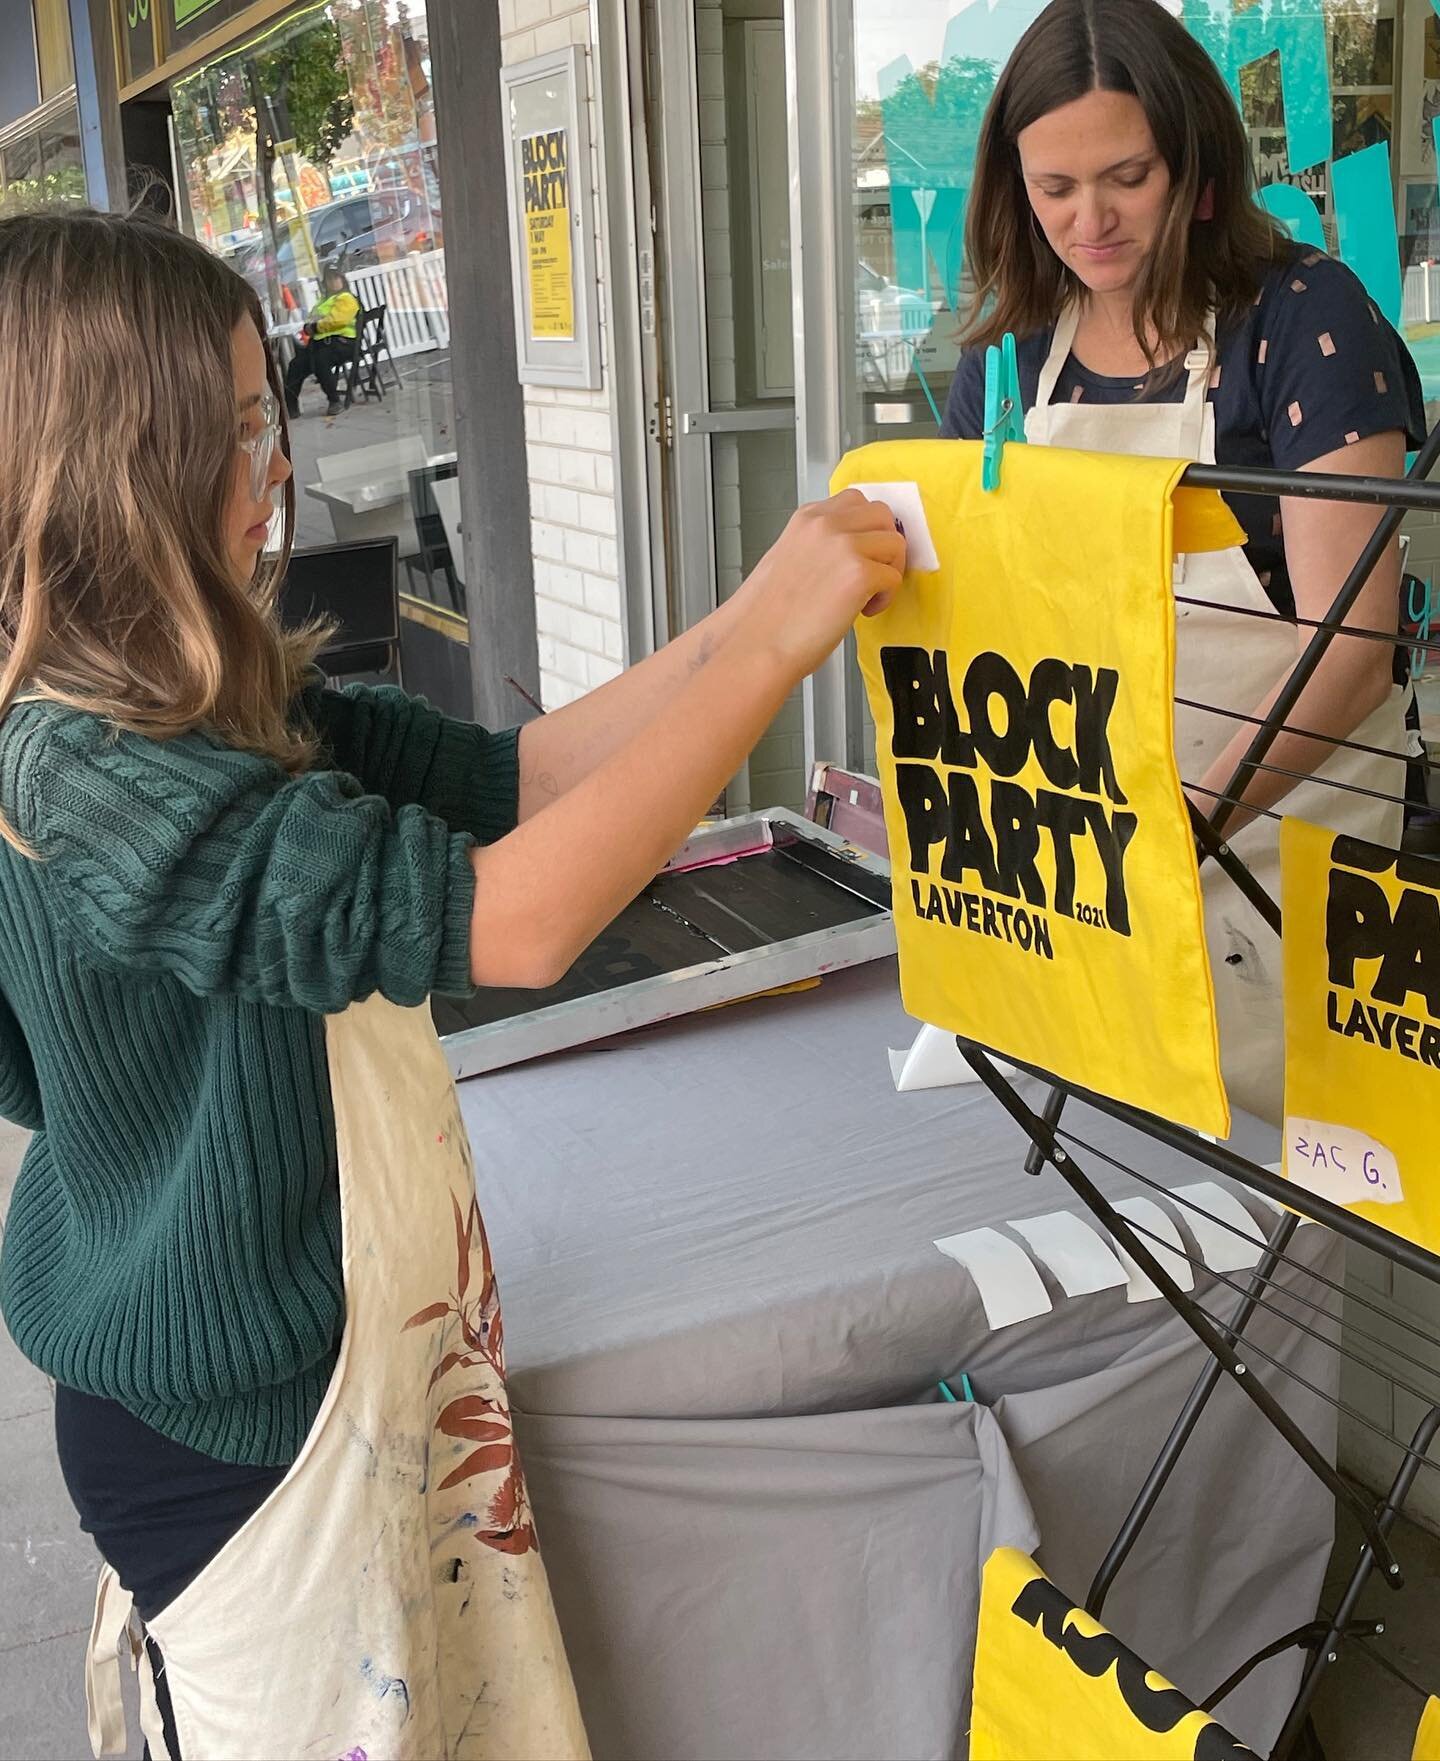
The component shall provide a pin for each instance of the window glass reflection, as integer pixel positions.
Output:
(44, 165)
(924, 72)
(310, 165)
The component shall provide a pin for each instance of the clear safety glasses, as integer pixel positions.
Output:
(260, 448)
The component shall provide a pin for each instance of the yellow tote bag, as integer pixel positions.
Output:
(1047, 900)
(1427, 1736)
(1050, 1681)
(1361, 953)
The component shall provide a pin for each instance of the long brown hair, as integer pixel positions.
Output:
(117, 465)
(1135, 46)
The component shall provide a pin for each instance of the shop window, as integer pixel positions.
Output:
(44, 164)
(311, 151)
(52, 42)
(1420, 212)
(19, 75)
(1320, 87)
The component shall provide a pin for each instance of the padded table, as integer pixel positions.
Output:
(726, 1322)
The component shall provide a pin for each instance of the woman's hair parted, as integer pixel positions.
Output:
(118, 462)
(1079, 46)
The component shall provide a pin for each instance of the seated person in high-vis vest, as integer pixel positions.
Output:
(327, 345)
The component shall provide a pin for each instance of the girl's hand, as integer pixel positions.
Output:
(834, 560)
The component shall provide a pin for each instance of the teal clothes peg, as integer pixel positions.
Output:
(1004, 414)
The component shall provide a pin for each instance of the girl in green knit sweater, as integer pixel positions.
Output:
(221, 886)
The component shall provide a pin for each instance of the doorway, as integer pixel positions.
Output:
(725, 449)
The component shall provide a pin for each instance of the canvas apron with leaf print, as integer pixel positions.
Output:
(387, 1602)
(1231, 649)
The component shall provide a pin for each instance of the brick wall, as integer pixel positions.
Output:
(569, 444)
(1384, 1305)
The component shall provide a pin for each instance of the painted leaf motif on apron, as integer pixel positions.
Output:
(473, 1317)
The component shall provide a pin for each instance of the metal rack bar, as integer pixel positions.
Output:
(1395, 497)
(1215, 1340)
(1409, 492)
(1326, 1651)
(1256, 721)
(1188, 1206)
(1213, 845)
(1196, 1401)
(1221, 1334)
(1362, 632)
(1426, 1396)
(1273, 1187)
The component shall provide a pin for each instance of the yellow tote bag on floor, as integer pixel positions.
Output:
(1047, 901)
(1050, 1681)
(1361, 950)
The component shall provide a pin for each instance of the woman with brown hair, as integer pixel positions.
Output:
(1113, 229)
(245, 1241)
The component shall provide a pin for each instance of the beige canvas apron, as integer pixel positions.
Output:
(387, 1602)
(1232, 656)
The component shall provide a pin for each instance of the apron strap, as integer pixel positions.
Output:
(104, 1708)
(1192, 416)
(152, 1724)
(1198, 368)
(1061, 344)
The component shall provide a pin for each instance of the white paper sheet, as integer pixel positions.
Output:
(933, 1061)
(1221, 1248)
(1010, 1288)
(1148, 1215)
(1081, 1260)
(903, 500)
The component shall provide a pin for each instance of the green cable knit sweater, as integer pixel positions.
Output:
(165, 968)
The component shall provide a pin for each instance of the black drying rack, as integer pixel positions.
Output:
(1220, 1328)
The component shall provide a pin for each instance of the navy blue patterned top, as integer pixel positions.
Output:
(1310, 368)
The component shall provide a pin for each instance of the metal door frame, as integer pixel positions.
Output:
(628, 295)
(827, 417)
(820, 93)
(680, 268)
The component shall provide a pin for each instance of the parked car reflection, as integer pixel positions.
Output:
(358, 232)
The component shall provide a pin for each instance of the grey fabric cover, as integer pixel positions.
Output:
(726, 1321)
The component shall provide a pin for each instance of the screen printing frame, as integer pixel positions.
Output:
(558, 1027)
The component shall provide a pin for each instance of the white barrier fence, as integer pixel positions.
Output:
(1422, 294)
(414, 293)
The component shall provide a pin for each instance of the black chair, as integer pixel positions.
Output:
(355, 587)
(433, 558)
(365, 374)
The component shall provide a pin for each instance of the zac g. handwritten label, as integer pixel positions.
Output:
(1362, 1025)
(1341, 1164)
